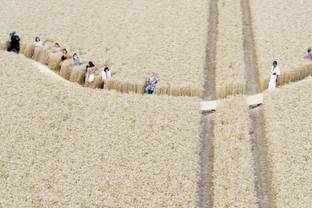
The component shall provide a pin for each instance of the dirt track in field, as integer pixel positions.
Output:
(259, 146)
(205, 186)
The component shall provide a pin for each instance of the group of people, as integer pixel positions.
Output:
(90, 67)
(90, 75)
(14, 46)
(150, 87)
(57, 49)
(90, 70)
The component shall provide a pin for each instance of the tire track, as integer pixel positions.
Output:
(262, 169)
(206, 155)
(209, 92)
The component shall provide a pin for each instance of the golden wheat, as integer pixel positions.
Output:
(234, 89)
(233, 164)
(230, 66)
(29, 50)
(4, 45)
(289, 76)
(100, 148)
(143, 43)
(272, 40)
(288, 129)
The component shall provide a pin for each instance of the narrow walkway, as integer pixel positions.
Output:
(45, 69)
(205, 186)
(259, 147)
(208, 93)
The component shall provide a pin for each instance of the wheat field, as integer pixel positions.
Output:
(135, 38)
(62, 145)
(288, 131)
(281, 30)
(233, 164)
(230, 67)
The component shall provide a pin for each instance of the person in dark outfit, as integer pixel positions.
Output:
(14, 45)
(65, 54)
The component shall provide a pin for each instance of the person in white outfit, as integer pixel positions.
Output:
(275, 73)
(38, 42)
(90, 75)
(106, 74)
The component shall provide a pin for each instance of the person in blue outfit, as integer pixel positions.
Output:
(150, 87)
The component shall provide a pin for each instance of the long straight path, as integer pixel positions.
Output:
(263, 173)
(205, 186)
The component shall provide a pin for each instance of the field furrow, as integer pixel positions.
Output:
(206, 154)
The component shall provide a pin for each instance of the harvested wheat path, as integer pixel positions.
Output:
(263, 174)
(205, 185)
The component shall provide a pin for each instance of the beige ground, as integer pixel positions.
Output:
(230, 58)
(288, 129)
(233, 165)
(166, 37)
(62, 145)
(282, 32)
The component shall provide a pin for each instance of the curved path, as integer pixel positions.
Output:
(209, 92)
(44, 69)
(259, 148)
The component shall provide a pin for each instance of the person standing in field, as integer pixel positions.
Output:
(90, 76)
(14, 43)
(308, 56)
(150, 88)
(65, 54)
(105, 75)
(275, 73)
(76, 59)
(57, 48)
(38, 42)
